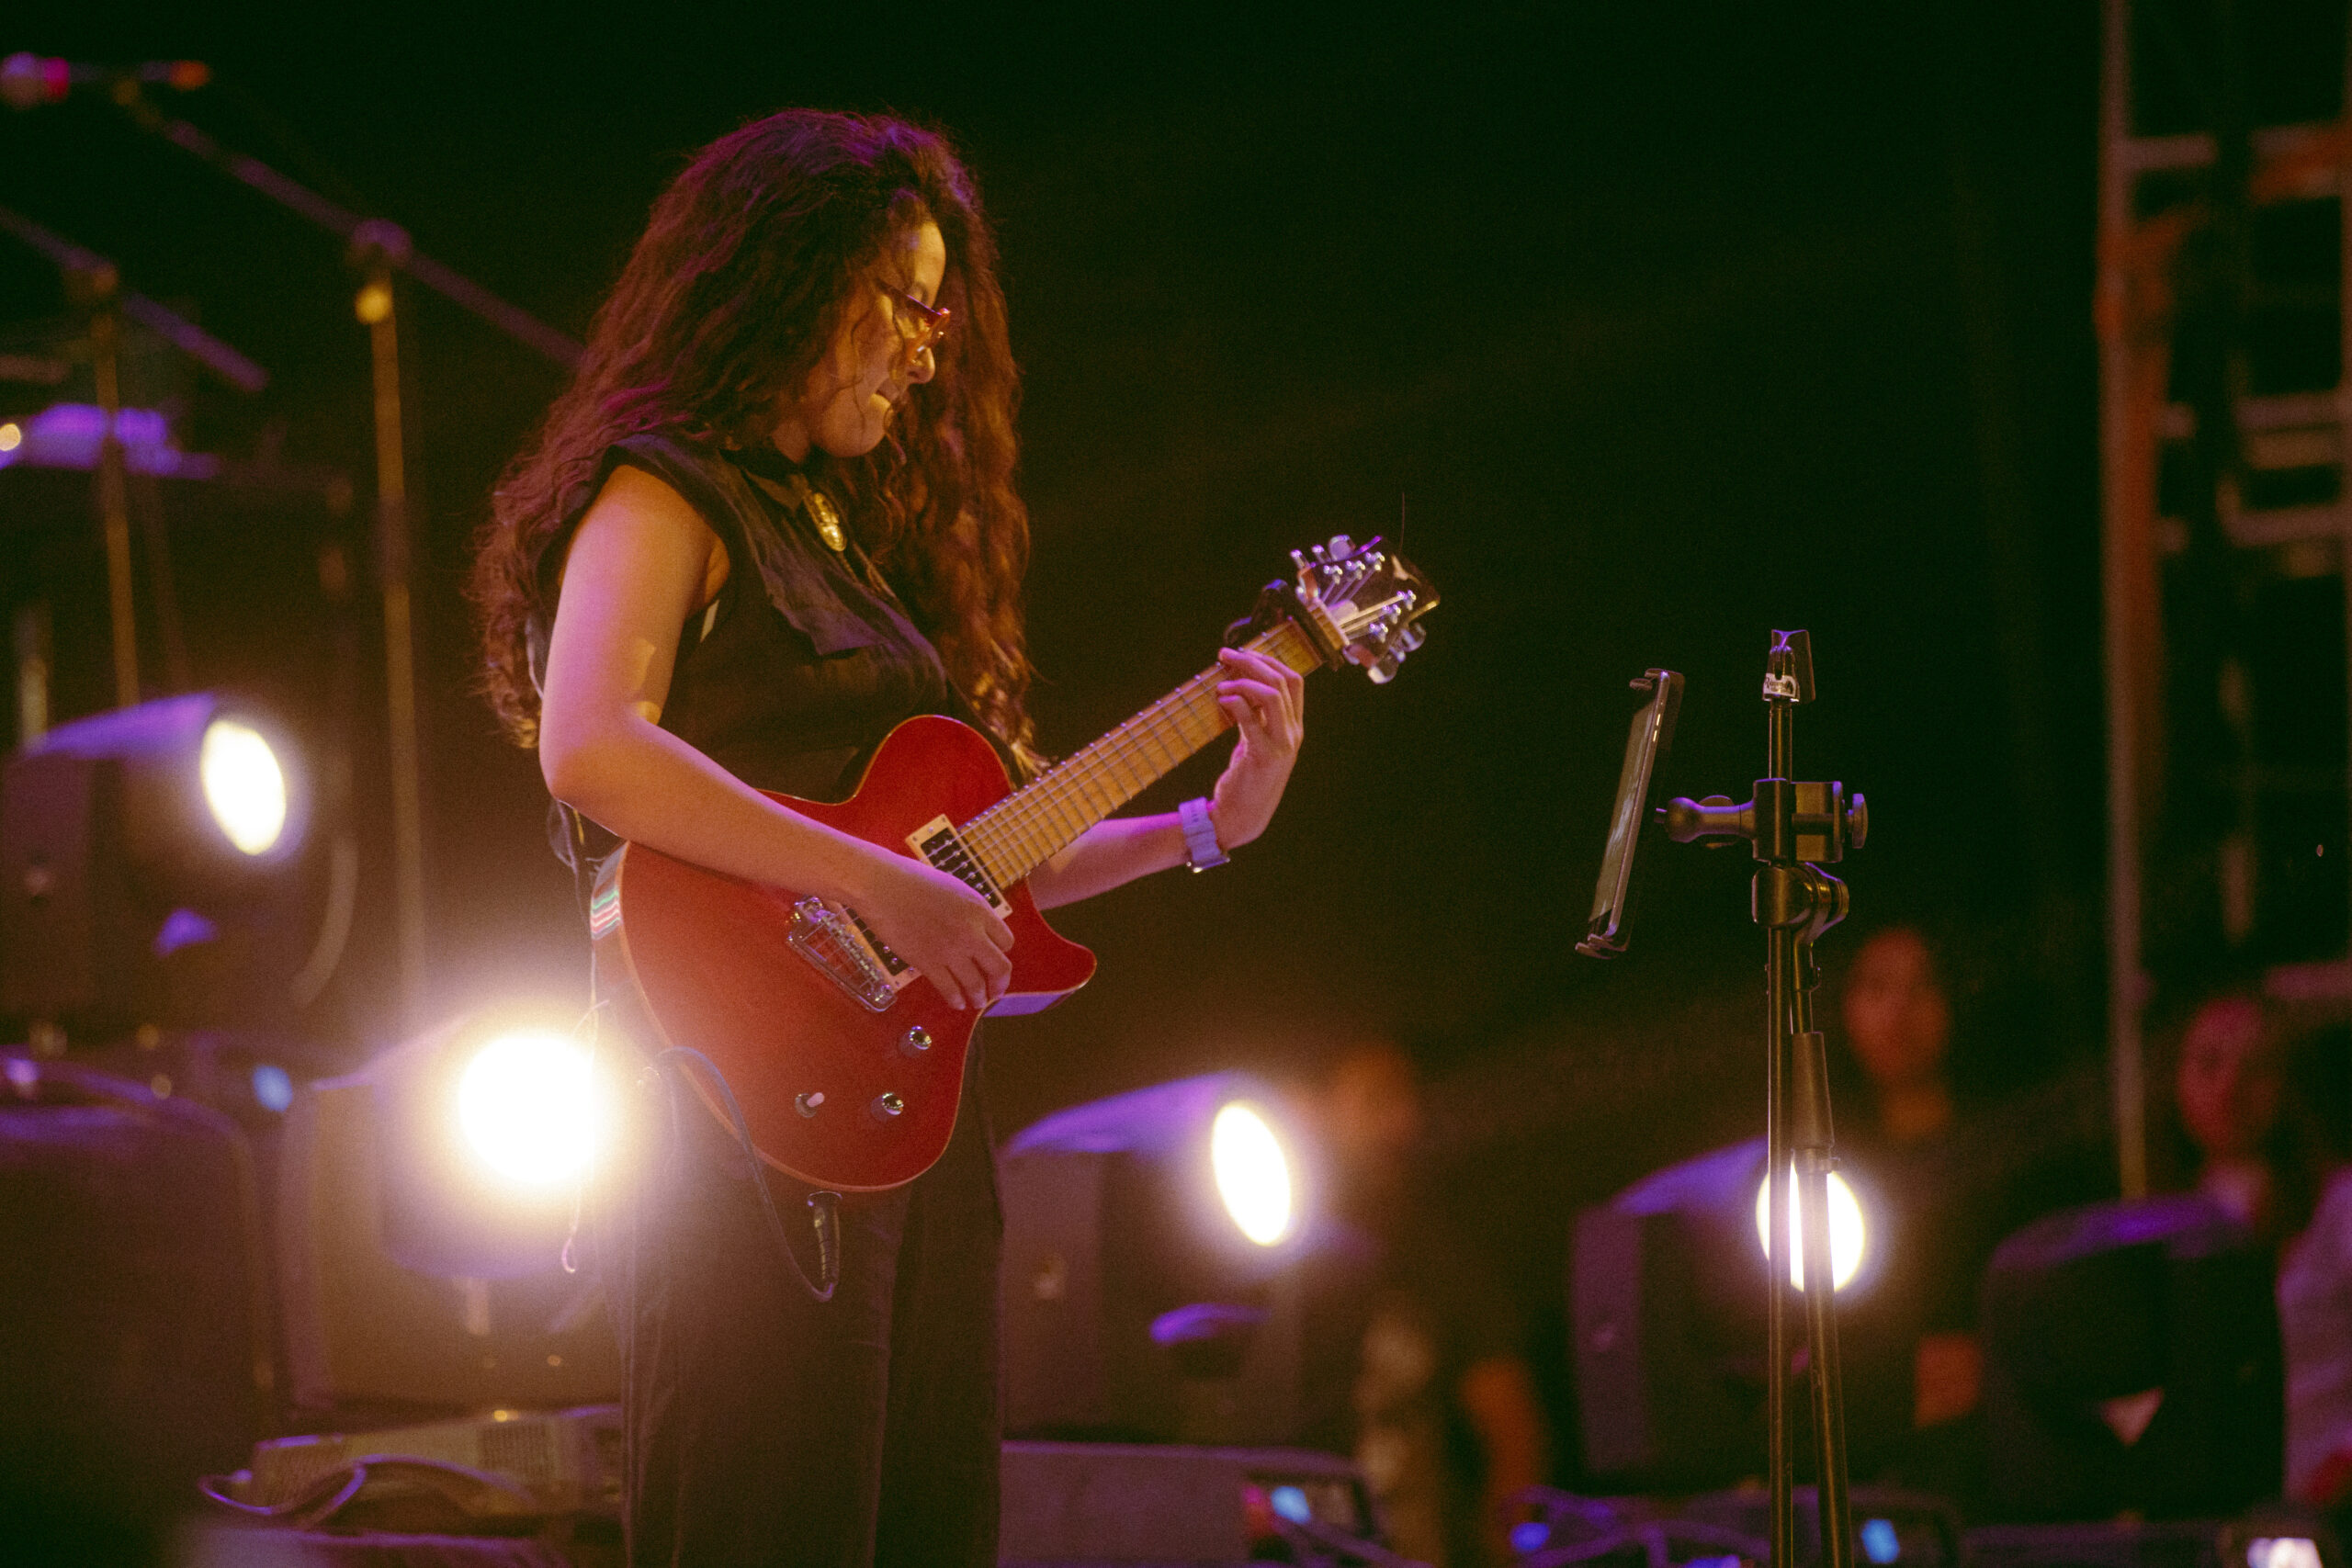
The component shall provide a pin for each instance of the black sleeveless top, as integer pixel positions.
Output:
(797, 670)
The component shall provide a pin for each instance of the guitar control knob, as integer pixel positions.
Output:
(807, 1104)
(885, 1107)
(915, 1041)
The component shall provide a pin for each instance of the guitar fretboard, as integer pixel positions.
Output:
(1037, 821)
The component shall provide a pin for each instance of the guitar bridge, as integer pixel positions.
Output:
(847, 953)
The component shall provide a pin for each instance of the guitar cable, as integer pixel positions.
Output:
(669, 1065)
(824, 1207)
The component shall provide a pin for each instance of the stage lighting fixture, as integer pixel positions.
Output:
(1846, 1234)
(1151, 1281)
(146, 862)
(1666, 1304)
(425, 1202)
(2132, 1361)
(1252, 1174)
(532, 1109)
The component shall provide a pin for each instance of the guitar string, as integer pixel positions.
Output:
(1127, 742)
(1096, 765)
(1091, 764)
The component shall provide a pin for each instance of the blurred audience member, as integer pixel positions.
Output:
(1955, 1174)
(2238, 1140)
(1416, 1363)
(2240, 1137)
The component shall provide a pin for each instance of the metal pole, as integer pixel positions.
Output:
(32, 647)
(1780, 763)
(374, 307)
(114, 491)
(2125, 561)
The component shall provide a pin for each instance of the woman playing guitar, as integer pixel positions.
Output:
(773, 517)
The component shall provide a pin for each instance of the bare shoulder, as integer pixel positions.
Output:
(643, 521)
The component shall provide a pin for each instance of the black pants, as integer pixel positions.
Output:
(765, 1427)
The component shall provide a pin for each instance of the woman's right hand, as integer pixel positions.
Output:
(940, 926)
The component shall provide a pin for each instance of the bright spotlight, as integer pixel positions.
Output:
(243, 785)
(1252, 1176)
(2283, 1552)
(531, 1108)
(1846, 1237)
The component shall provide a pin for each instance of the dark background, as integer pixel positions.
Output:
(1663, 327)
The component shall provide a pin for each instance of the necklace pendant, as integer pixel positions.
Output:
(827, 520)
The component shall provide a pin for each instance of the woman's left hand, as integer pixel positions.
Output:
(1267, 702)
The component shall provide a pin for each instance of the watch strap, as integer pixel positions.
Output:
(1201, 848)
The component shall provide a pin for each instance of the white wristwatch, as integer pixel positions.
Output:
(1200, 848)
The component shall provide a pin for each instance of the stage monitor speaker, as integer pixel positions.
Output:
(131, 1289)
(2132, 1362)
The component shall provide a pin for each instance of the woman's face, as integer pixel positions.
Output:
(2230, 1080)
(851, 394)
(1896, 1012)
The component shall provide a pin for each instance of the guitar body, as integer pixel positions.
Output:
(711, 959)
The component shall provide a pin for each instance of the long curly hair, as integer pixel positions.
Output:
(729, 301)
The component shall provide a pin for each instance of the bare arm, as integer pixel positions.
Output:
(642, 561)
(1267, 702)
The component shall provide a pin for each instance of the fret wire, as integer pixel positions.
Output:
(1016, 828)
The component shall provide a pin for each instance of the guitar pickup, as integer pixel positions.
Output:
(848, 954)
(938, 845)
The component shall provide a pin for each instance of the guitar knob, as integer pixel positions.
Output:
(915, 1041)
(885, 1107)
(806, 1103)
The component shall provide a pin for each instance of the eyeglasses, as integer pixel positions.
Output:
(921, 326)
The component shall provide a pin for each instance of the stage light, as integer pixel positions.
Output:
(2283, 1552)
(1668, 1302)
(532, 1109)
(150, 869)
(273, 1087)
(244, 785)
(426, 1201)
(1152, 1288)
(1252, 1176)
(1847, 1235)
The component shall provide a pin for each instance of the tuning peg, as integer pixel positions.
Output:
(1341, 547)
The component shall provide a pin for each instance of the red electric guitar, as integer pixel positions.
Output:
(847, 1062)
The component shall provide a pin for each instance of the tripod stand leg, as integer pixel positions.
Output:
(1821, 1338)
(1779, 998)
(1811, 1134)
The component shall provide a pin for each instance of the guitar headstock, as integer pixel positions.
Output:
(1365, 603)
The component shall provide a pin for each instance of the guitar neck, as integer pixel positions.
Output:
(1037, 821)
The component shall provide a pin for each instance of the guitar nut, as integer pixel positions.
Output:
(807, 1104)
(915, 1041)
(885, 1107)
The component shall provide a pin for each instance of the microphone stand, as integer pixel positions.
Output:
(377, 249)
(1794, 828)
